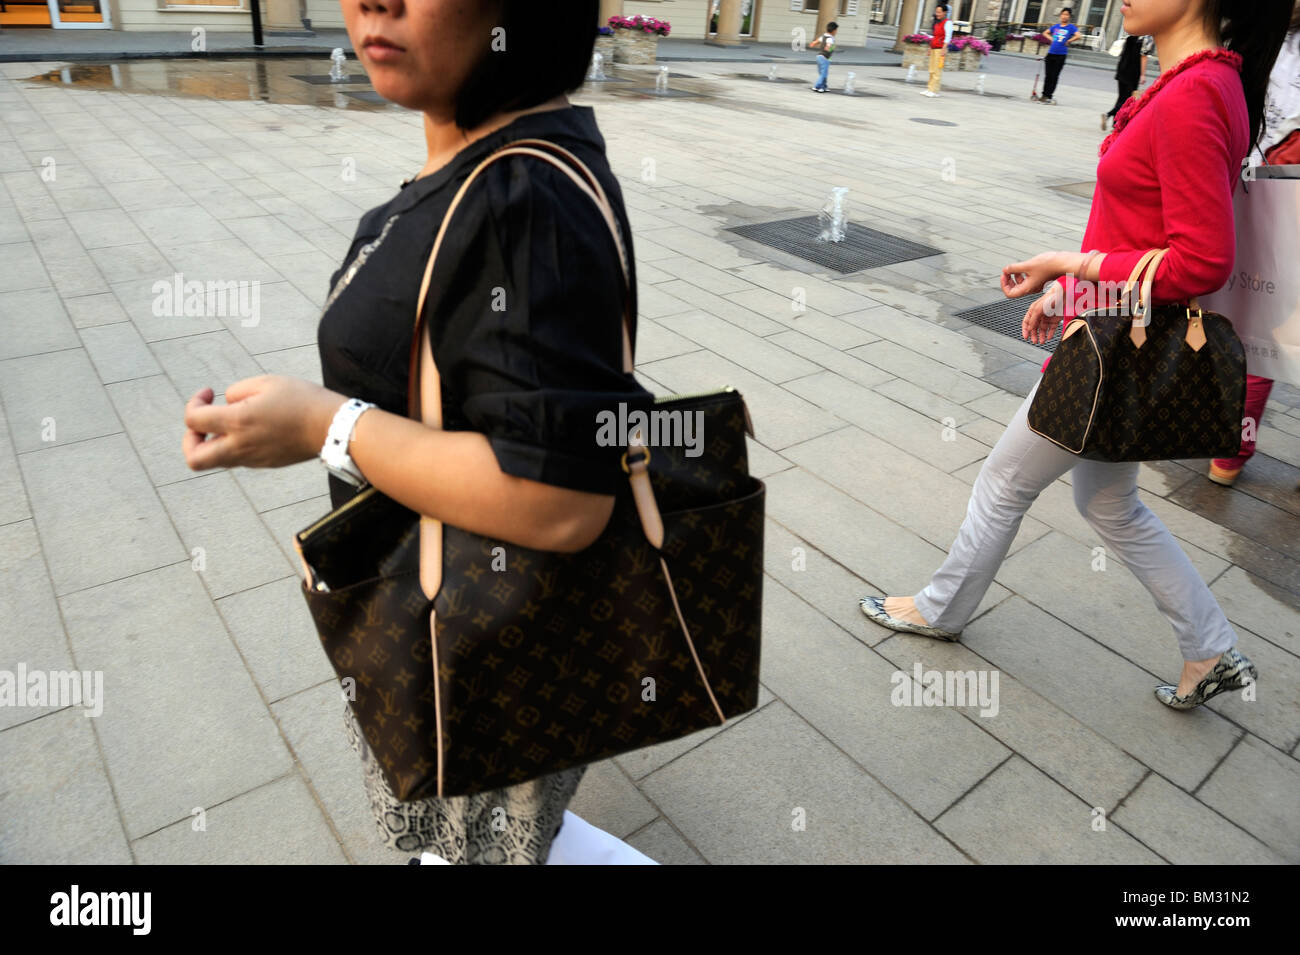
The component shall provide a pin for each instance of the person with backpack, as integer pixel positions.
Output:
(825, 43)
(1130, 73)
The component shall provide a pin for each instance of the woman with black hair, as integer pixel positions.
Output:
(524, 317)
(1164, 181)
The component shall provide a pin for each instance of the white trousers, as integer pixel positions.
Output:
(1015, 472)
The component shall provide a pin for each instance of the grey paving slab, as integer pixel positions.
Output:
(772, 774)
(642, 762)
(1256, 788)
(270, 488)
(927, 756)
(212, 360)
(1038, 730)
(934, 341)
(1186, 831)
(98, 516)
(608, 800)
(54, 399)
(867, 544)
(1110, 605)
(153, 415)
(929, 502)
(1020, 816)
(275, 635)
(930, 440)
(829, 358)
(58, 805)
(183, 725)
(746, 349)
(154, 316)
(13, 497)
(101, 308)
(301, 362)
(805, 319)
(33, 321)
(1100, 689)
(166, 226)
(119, 353)
(34, 635)
(805, 571)
(313, 723)
(719, 307)
(661, 842)
(1272, 613)
(1274, 713)
(787, 418)
(105, 228)
(937, 377)
(276, 824)
(228, 546)
(284, 318)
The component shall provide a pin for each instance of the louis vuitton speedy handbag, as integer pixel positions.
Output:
(473, 664)
(1144, 384)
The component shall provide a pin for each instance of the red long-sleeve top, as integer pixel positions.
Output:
(1166, 181)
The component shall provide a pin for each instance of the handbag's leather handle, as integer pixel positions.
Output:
(424, 389)
(425, 394)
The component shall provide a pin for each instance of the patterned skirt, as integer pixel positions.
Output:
(510, 826)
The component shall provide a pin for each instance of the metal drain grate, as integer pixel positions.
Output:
(1004, 317)
(862, 248)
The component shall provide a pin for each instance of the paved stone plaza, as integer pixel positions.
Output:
(873, 408)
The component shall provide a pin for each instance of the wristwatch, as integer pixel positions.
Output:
(335, 454)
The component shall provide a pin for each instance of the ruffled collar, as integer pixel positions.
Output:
(1134, 106)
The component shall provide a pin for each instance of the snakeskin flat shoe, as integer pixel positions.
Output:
(874, 608)
(1230, 673)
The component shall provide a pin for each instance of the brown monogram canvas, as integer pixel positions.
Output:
(1105, 398)
(546, 661)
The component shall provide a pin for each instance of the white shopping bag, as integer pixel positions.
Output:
(1262, 297)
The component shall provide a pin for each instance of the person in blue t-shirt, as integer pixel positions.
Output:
(1062, 34)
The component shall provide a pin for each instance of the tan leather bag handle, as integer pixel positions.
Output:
(424, 390)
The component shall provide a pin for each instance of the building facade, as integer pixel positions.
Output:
(727, 22)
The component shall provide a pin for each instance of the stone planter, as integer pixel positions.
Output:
(917, 54)
(967, 59)
(1014, 46)
(605, 47)
(635, 46)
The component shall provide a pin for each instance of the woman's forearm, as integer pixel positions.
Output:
(453, 476)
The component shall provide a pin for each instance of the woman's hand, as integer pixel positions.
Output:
(1044, 316)
(267, 422)
(1032, 276)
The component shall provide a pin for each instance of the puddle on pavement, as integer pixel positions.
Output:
(298, 81)
(292, 80)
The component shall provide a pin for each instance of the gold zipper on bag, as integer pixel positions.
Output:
(343, 508)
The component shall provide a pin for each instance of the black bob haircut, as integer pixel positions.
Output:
(542, 51)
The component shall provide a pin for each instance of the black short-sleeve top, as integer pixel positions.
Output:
(524, 308)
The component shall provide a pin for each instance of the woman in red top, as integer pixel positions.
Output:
(1165, 180)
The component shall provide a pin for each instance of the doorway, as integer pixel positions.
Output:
(748, 18)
